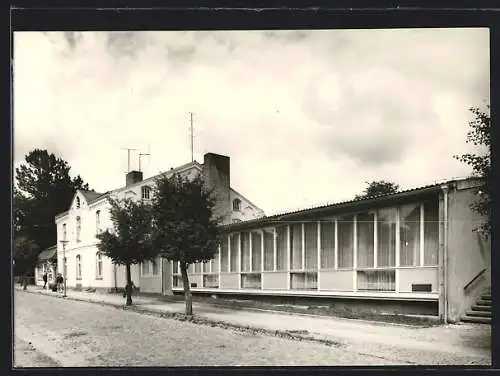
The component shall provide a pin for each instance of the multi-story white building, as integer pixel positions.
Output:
(78, 256)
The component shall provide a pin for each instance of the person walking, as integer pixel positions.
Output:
(45, 280)
(59, 281)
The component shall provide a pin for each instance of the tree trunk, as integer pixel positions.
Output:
(128, 288)
(25, 282)
(187, 291)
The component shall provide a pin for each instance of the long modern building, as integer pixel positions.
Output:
(410, 252)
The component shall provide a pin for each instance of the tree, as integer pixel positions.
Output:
(378, 188)
(130, 240)
(184, 227)
(25, 257)
(43, 189)
(480, 135)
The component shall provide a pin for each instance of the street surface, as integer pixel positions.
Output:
(52, 331)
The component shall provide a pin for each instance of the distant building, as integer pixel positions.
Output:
(46, 263)
(89, 214)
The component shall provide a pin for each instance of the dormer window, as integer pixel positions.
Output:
(78, 202)
(236, 204)
(146, 192)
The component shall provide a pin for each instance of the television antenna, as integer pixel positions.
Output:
(128, 157)
(143, 154)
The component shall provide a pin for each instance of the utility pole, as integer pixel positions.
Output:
(63, 242)
(192, 136)
(128, 157)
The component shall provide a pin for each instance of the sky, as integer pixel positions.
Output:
(307, 117)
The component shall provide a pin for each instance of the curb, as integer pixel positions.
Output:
(298, 335)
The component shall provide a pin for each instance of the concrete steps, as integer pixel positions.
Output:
(480, 312)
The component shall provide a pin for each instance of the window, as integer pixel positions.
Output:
(365, 223)
(311, 245)
(236, 204)
(146, 192)
(206, 266)
(211, 281)
(145, 267)
(154, 266)
(224, 255)
(345, 228)
(251, 281)
(78, 267)
(98, 265)
(256, 250)
(98, 222)
(386, 237)
(215, 263)
(296, 246)
(64, 232)
(377, 280)
(431, 232)
(234, 253)
(268, 249)
(281, 247)
(78, 228)
(77, 202)
(304, 281)
(409, 228)
(245, 251)
(327, 244)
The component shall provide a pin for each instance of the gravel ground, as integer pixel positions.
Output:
(80, 334)
(463, 344)
(27, 356)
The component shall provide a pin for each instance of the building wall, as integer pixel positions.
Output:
(247, 210)
(305, 256)
(468, 254)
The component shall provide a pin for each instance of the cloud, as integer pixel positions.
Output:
(306, 116)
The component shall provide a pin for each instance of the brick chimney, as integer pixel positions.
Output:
(133, 177)
(216, 172)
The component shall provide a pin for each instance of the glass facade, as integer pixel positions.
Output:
(371, 246)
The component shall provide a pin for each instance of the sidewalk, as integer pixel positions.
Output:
(464, 339)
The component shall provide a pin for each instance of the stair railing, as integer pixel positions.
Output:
(474, 279)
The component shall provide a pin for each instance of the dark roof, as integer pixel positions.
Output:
(48, 254)
(338, 208)
(91, 196)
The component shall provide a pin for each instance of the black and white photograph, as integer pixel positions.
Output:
(207, 198)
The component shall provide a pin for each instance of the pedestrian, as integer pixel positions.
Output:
(132, 286)
(59, 281)
(45, 280)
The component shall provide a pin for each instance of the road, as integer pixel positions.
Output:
(80, 334)
(73, 333)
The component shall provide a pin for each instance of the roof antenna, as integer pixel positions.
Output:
(192, 136)
(128, 157)
(140, 155)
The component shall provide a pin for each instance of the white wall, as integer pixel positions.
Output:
(247, 210)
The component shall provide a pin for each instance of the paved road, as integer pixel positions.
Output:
(80, 334)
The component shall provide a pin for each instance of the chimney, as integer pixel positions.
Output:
(216, 172)
(133, 177)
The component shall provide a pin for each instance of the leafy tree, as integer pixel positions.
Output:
(480, 135)
(130, 240)
(378, 188)
(184, 227)
(43, 189)
(25, 257)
